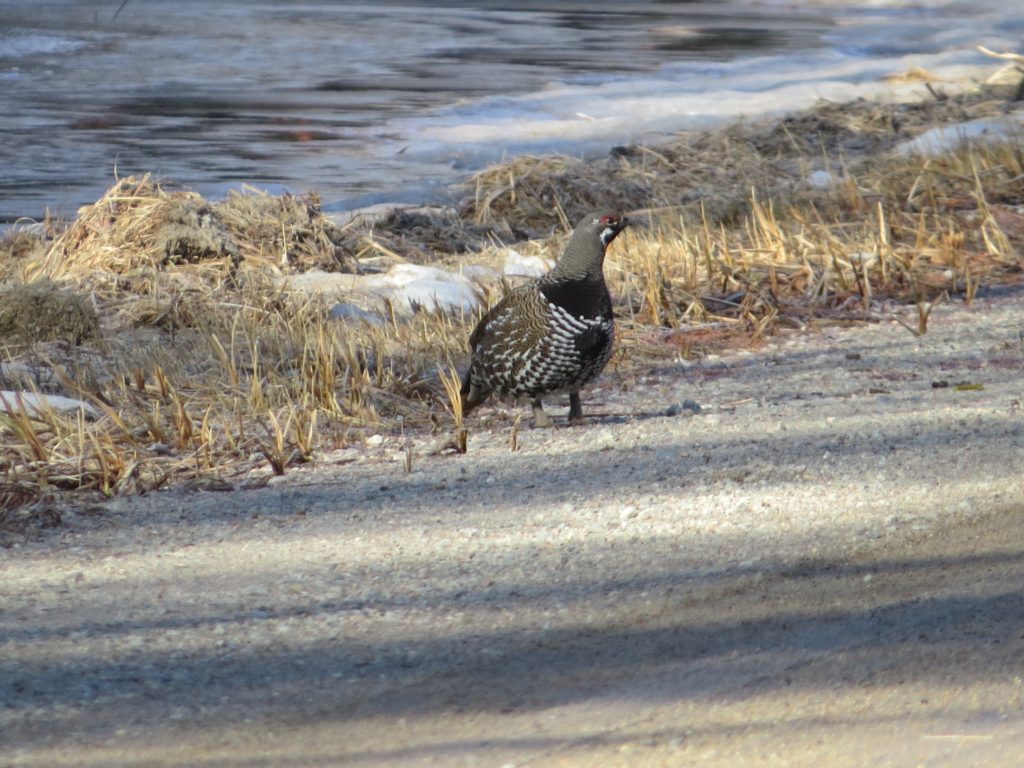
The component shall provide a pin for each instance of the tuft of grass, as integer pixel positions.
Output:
(451, 381)
(44, 311)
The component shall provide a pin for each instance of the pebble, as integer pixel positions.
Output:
(821, 179)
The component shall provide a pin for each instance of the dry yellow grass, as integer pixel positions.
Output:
(204, 369)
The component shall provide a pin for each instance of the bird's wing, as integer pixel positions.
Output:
(509, 313)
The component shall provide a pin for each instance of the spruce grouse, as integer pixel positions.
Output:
(550, 336)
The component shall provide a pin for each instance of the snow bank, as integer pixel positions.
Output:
(950, 137)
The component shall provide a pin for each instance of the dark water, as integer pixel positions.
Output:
(393, 101)
(288, 95)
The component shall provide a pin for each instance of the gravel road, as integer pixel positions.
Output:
(822, 565)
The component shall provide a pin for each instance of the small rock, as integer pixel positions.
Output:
(821, 180)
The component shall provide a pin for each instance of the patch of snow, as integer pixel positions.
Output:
(353, 313)
(517, 265)
(951, 137)
(36, 404)
(415, 285)
(408, 287)
(480, 272)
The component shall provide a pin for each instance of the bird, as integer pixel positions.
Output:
(553, 335)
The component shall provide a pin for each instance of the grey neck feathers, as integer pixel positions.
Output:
(582, 260)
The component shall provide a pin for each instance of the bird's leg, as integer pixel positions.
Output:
(575, 408)
(540, 419)
(472, 393)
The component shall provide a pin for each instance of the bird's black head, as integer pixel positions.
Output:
(609, 226)
(583, 257)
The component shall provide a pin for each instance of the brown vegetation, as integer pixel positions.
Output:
(204, 368)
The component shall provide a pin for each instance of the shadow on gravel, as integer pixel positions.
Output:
(906, 624)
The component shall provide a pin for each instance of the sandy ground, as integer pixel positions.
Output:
(823, 566)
